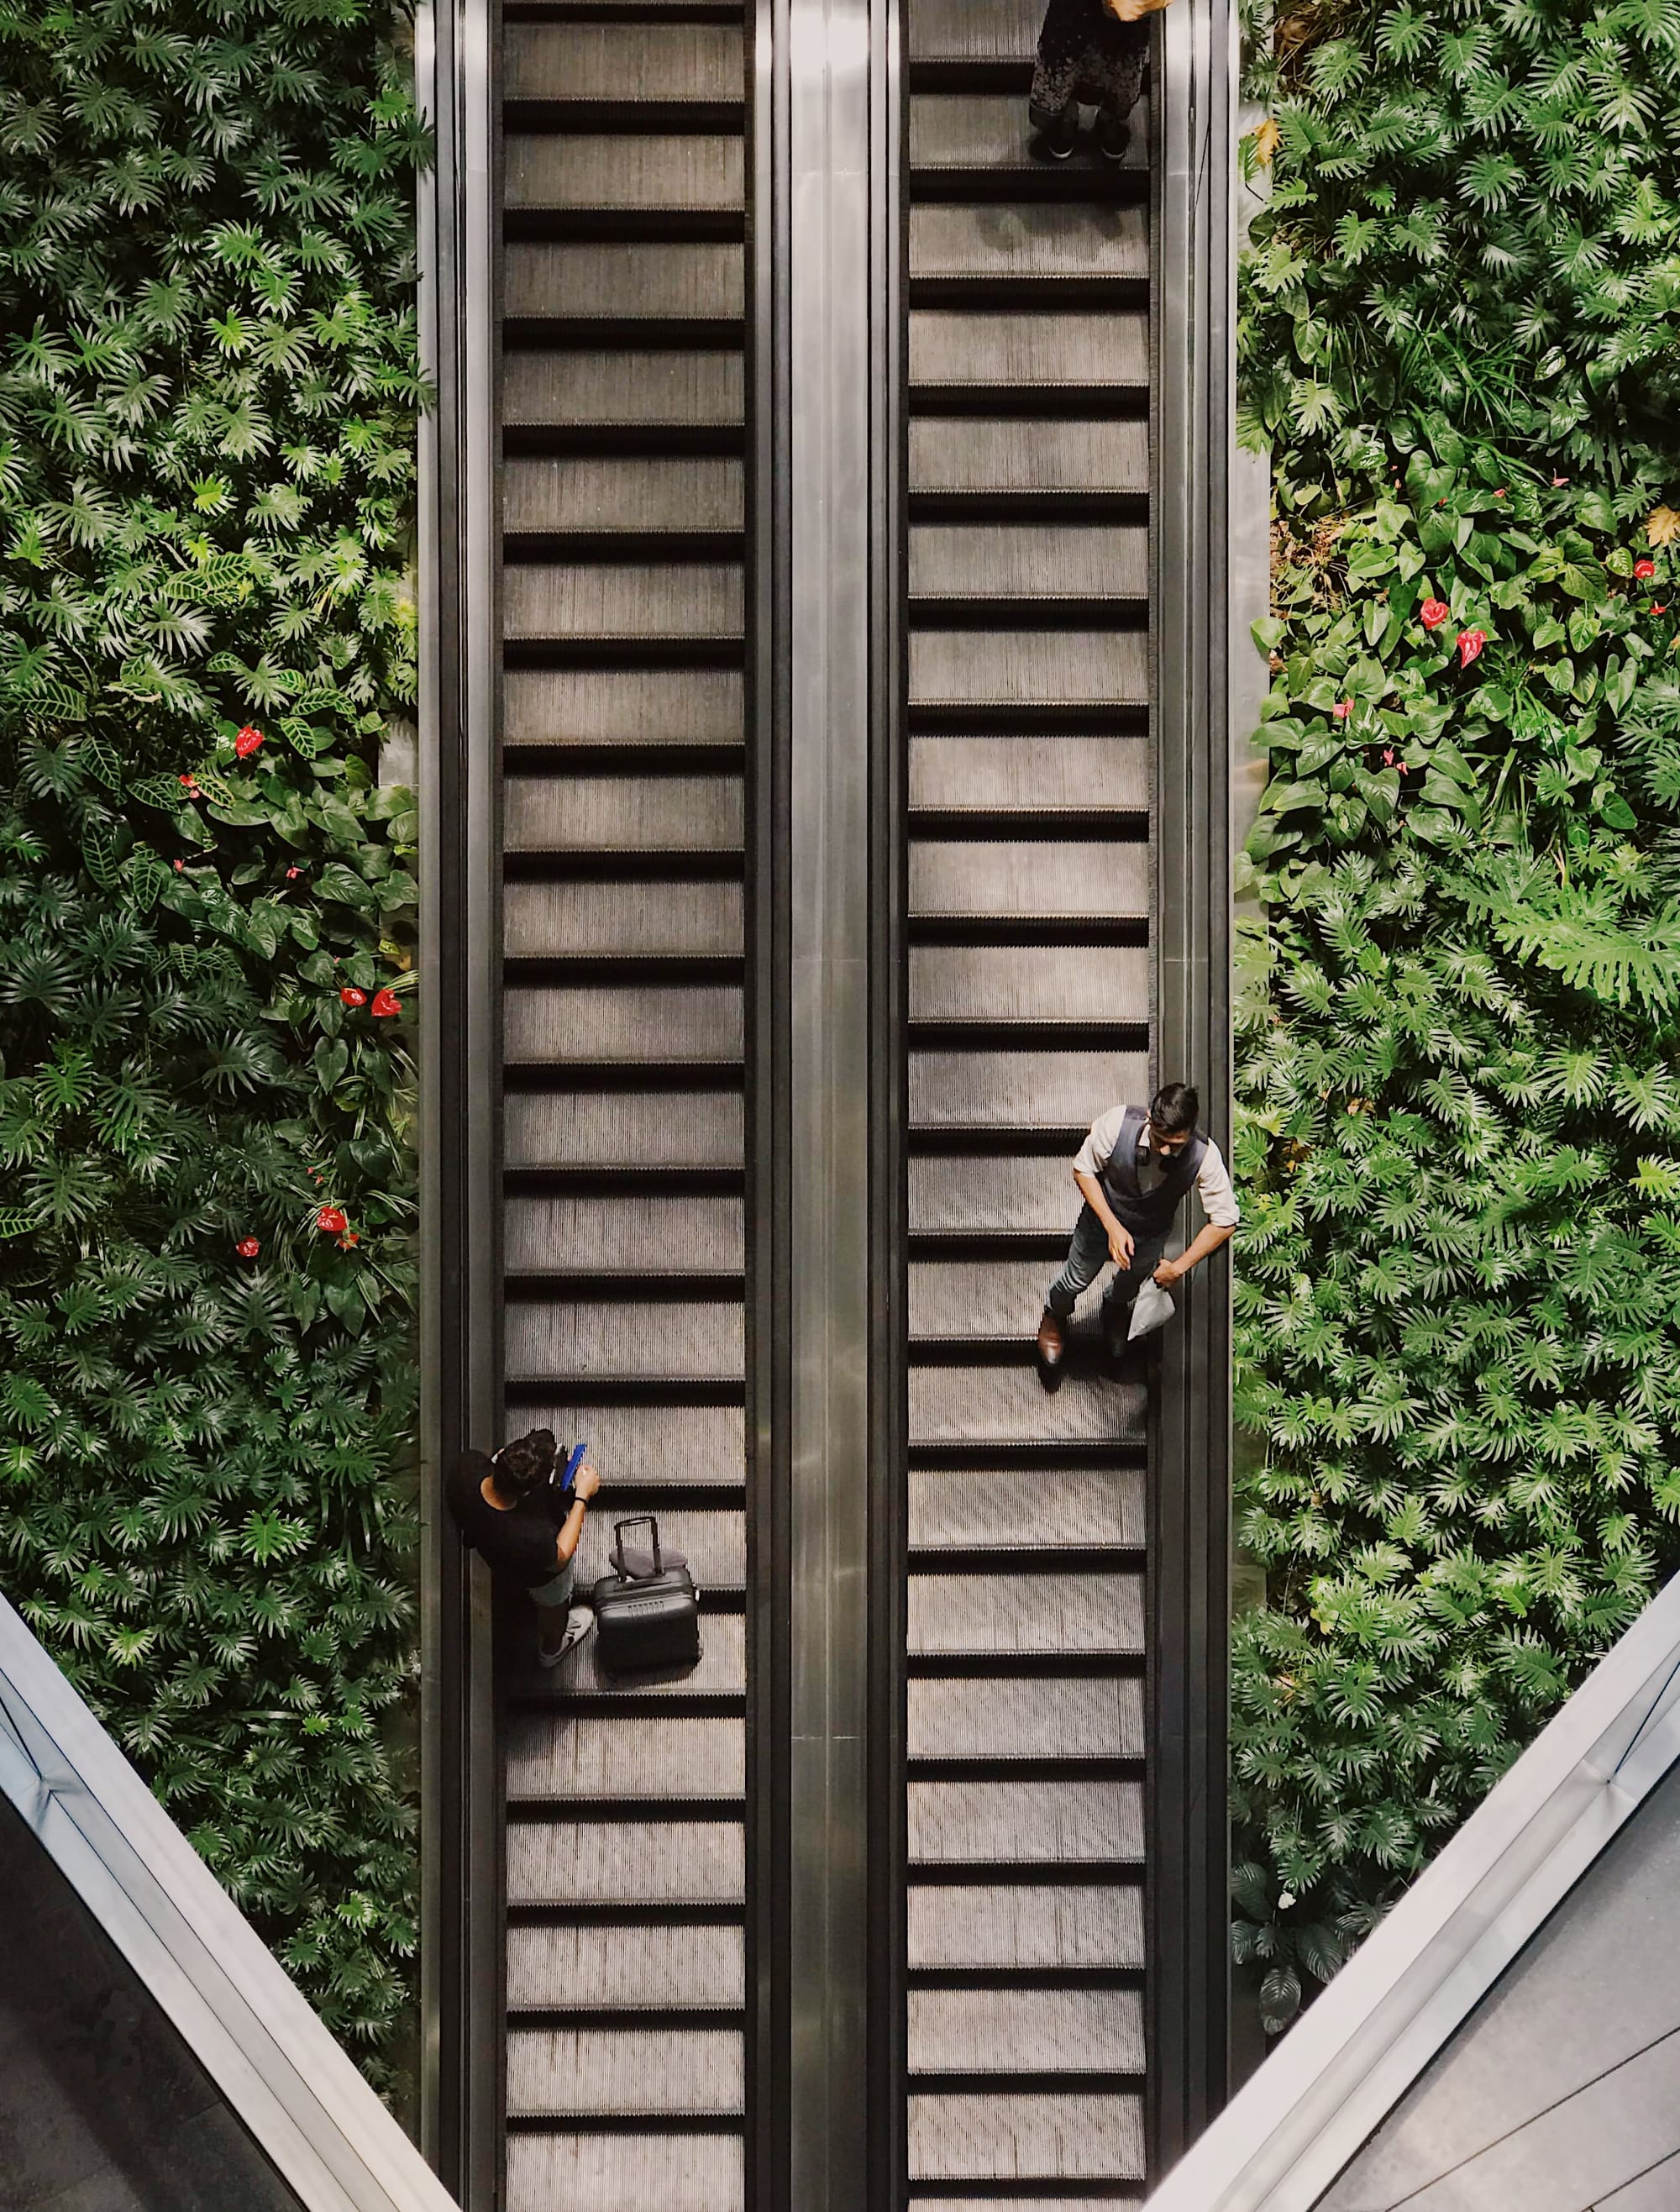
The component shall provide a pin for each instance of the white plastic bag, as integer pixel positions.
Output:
(1149, 1308)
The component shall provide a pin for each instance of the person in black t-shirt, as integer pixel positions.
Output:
(508, 1508)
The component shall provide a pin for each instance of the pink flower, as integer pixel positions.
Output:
(1500, 493)
(1433, 613)
(1558, 482)
(247, 741)
(1342, 710)
(1470, 642)
(1388, 756)
(292, 874)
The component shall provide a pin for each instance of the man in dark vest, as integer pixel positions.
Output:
(1133, 1171)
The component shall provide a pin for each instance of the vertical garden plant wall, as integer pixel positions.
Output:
(1458, 1285)
(208, 406)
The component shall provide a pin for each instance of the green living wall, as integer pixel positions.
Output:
(1459, 1281)
(208, 402)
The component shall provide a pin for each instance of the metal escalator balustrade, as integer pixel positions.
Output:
(623, 761)
(1029, 1011)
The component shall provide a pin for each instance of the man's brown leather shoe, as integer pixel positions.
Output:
(1051, 1342)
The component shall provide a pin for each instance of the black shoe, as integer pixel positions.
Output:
(1058, 137)
(1113, 137)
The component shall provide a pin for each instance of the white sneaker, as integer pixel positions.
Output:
(580, 1623)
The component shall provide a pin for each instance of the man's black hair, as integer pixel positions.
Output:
(526, 1461)
(1174, 1110)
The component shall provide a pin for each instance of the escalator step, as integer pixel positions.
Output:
(1078, 2136)
(625, 2069)
(630, 495)
(1064, 1924)
(631, 283)
(1004, 560)
(1021, 350)
(1003, 1612)
(1046, 1508)
(1029, 668)
(702, 1445)
(623, 813)
(987, 1193)
(571, 1339)
(588, 1129)
(681, 1235)
(992, 1298)
(977, 30)
(1026, 2031)
(1021, 1090)
(989, 132)
(591, 171)
(1080, 239)
(1029, 876)
(626, 2172)
(720, 1671)
(636, 1756)
(672, 1023)
(552, 390)
(681, 600)
(620, 706)
(584, 1862)
(1021, 1823)
(650, 1966)
(977, 454)
(1008, 1406)
(1014, 983)
(622, 61)
(621, 918)
(1030, 772)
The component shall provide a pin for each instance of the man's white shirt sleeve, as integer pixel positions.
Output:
(1098, 1148)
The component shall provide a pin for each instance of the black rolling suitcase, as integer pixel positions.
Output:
(647, 1610)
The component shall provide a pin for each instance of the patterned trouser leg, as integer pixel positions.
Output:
(1087, 54)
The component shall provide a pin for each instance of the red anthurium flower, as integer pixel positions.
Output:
(1388, 756)
(331, 1220)
(1500, 493)
(1558, 482)
(385, 1002)
(1644, 569)
(1470, 642)
(188, 782)
(1656, 609)
(292, 874)
(247, 741)
(1433, 613)
(349, 1239)
(352, 997)
(248, 1248)
(1342, 710)
(180, 867)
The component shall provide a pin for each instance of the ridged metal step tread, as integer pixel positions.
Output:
(649, 1024)
(1026, 773)
(1018, 1090)
(960, 1823)
(1025, 2031)
(1017, 561)
(598, 173)
(993, 2135)
(566, 1340)
(974, 30)
(655, 1967)
(588, 1757)
(575, 919)
(626, 2172)
(629, 494)
(625, 2069)
(1041, 1614)
(1010, 1406)
(621, 706)
(1075, 1717)
(615, 61)
(1029, 668)
(704, 1446)
(1025, 877)
(612, 600)
(677, 283)
(1059, 350)
(1032, 1194)
(1079, 239)
(687, 1232)
(592, 1129)
(1060, 1925)
(623, 813)
(975, 1508)
(1012, 983)
(980, 454)
(650, 390)
(996, 1299)
(989, 134)
(658, 1865)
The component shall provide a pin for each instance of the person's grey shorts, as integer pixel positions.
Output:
(556, 1595)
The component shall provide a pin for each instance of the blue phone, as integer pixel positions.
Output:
(571, 1466)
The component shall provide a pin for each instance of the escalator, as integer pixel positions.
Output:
(622, 802)
(1029, 1010)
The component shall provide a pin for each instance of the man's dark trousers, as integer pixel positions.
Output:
(1088, 1255)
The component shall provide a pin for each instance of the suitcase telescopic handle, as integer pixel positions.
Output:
(636, 1521)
